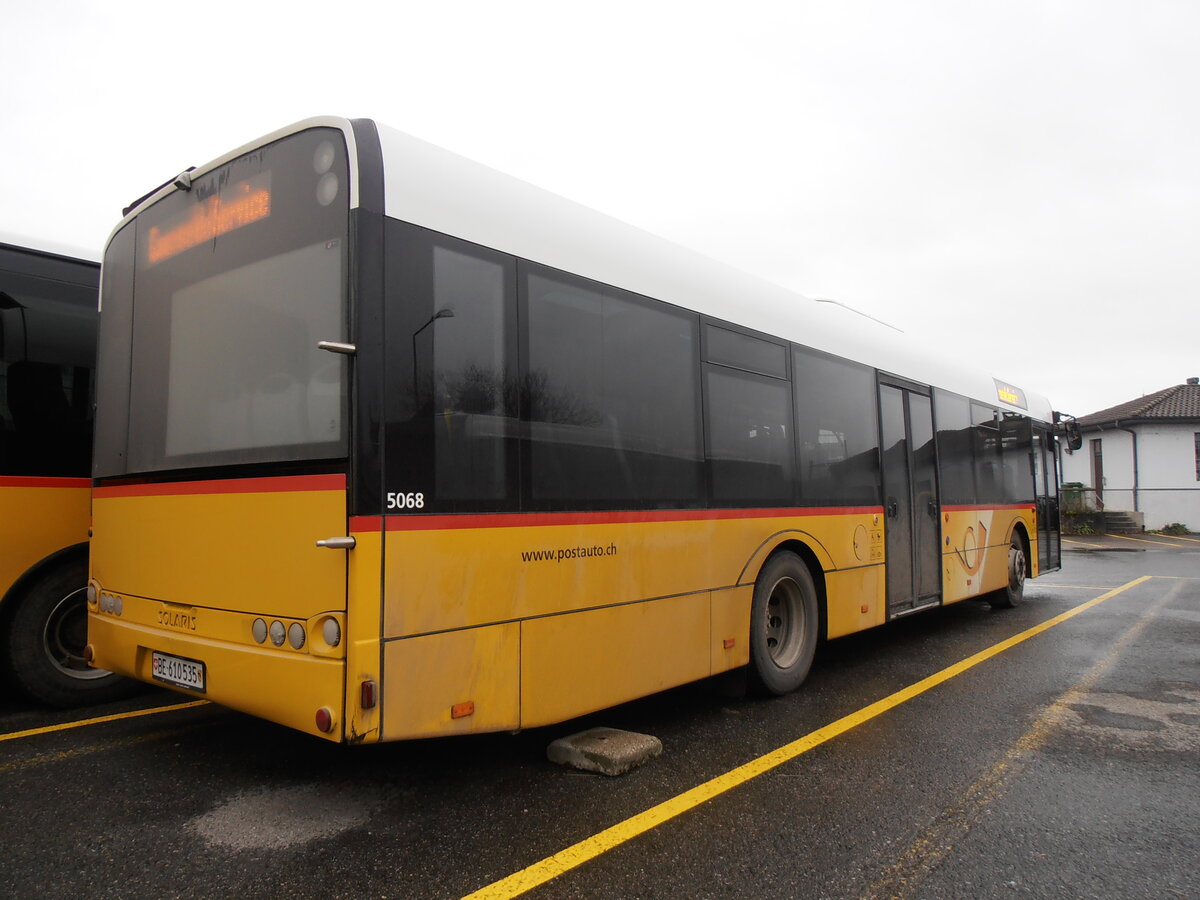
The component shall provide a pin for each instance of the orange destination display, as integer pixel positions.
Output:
(247, 202)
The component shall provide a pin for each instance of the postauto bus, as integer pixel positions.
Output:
(392, 445)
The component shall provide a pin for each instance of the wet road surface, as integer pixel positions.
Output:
(1051, 751)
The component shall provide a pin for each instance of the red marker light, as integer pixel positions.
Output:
(324, 720)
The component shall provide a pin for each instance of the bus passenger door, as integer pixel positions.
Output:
(910, 493)
(1045, 477)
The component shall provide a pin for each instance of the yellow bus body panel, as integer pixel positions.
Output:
(194, 564)
(282, 686)
(441, 577)
(590, 660)
(458, 682)
(363, 645)
(479, 623)
(537, 619)
(229, 546)
(975, 545)
(39, 517)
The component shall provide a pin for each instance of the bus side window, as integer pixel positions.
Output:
(955, 448)
(985, 448)
(747, 393)
(47, 354)
(838, 431)
(750, 438)
(1016, 442)
(610, 391)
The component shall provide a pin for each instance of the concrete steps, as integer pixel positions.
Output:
(1118, 522)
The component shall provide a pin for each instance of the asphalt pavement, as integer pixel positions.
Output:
(1048, 751)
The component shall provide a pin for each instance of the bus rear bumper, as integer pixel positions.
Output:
(290, 688)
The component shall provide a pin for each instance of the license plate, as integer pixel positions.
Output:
(184, 673)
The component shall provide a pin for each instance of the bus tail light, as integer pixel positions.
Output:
(331, 631)
(296, 635)
(367, 697)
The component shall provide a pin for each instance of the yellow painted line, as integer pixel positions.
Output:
(906, 876)
(1081, 543)
(598, 844)
(1125, 537)
(77, 752)
(1177, 537)
(1073, 587)
(100, 720)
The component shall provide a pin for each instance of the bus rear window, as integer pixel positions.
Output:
(235, 281)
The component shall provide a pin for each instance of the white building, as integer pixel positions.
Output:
(1143, 457)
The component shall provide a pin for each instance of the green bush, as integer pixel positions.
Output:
(1077, 523)
(1175, 528)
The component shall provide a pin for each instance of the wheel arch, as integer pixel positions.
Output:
(8, 604)
(815, 561)
(1019, 531)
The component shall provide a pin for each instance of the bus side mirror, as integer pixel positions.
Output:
(1069, 428)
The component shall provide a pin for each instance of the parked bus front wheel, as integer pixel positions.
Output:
(1010, 597)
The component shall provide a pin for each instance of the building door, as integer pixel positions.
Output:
(910, 498)
(1098, 471)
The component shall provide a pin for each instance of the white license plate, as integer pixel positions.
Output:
(184, 673)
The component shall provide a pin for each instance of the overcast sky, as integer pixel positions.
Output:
(1016, 180)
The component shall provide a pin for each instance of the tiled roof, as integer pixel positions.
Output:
(1179, 402)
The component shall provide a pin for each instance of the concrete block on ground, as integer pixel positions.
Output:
(605, 750)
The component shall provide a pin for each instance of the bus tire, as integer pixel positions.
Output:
(784, 619)
(1011, 596)
(45, 639)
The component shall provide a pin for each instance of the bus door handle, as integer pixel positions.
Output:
(931, 509)
(337, 543)
(893, 507)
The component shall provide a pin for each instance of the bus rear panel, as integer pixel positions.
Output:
(227, 464)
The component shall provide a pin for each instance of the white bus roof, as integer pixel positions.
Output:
(44, 245)
(432, 187)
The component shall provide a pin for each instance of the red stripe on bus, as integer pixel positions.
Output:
(988, 508)
(36, 481)
(534, 520)
(275, 485)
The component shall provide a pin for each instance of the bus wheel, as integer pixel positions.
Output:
(783, 624)
(46, 637)
(1011, 596)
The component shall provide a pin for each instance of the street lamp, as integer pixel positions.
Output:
(443, 313)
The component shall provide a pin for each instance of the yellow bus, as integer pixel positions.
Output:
(47, 360)
(391, 445)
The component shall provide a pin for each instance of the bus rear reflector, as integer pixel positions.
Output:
(367, 695)
(324, 720)
(462, 710)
